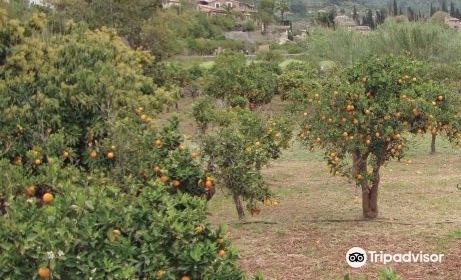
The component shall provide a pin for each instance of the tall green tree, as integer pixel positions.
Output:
(282, 6)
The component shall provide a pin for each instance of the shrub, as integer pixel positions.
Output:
(100, 232)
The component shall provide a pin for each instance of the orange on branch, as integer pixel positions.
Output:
(47, 198)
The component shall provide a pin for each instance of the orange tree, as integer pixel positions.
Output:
(237, 143)
(233, 81)
(367, 112)
(90, 187)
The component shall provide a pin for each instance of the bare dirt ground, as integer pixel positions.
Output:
(319, 218)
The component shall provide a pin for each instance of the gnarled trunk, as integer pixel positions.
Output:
(370, 190)
(239, 206)
(370, 197)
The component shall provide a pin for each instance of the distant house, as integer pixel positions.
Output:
(215, 7)
(345, 22)
(166, 4)
(453, 22)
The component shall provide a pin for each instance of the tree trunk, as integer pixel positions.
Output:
(239, 206)
(434, 137)
(369, 191)
(370, 197)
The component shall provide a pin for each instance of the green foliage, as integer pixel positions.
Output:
(425, 41)
(388, 273)
(370, 110)
(90, 187)
(100, 232)
(248, 26)
(233, 79)
(385, 273)
(238, 144)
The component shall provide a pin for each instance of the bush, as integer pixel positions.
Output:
(248, 26)
(100, 232)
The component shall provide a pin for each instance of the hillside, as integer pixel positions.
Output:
(423, 5)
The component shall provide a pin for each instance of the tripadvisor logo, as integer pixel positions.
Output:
(357, 257)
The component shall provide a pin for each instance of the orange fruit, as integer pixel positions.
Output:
(47, 198)
(110, 155)
(221, 252)
(194, 154)
(175, 183)
(440, 97)
(143, 117)
(93, 154)
(158, 142)
(65, 154)
(163, 178)
(37, 162)
(184, 277)
(157, 168)
(377, 134)
(43, 272)
(30, 190)
(208, 184)
(159, 273)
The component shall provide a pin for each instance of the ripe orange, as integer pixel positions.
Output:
(159, 273)
(208, 184)
(43, 272)
(157, 168)
(318, 139)
(221, 252)
(440, 97)
(377, 134)
(37, 162)
(185, 277)
(163, 178)
(305, 114)
(116, 233)
(368, 142)
(30, 190)
(175, 183)
(194, 154)
(93, 154)
(110, 155)
(47, 198)
(65, 154)
(143, 117)
(158, 142)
